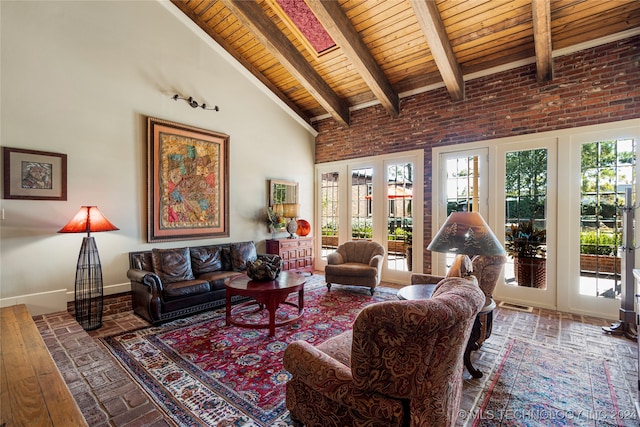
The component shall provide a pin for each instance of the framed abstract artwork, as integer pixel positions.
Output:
(188, 182)
(34, 175)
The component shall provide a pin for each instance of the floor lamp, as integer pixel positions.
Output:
(88, 287)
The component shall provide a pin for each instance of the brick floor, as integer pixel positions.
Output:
(107, 395)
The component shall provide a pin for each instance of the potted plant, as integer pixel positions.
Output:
(408, 249)
(527, 245)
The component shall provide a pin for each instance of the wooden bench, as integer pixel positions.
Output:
(32, 389)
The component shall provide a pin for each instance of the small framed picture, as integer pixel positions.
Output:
(34, 175)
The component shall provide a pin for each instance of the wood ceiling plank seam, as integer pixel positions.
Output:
(479, 12)
(437, 38)
(364, 23)
(449, 8)
(417, 43)
(228, 27)
(565, 42)
(511, 43)
(394, 35)
(488, 26)
(345, 36)
(367, 9)
(201, 7)
(623, 12)
(576, 31)
(493, 60)
(211, 12)
(254, 17)
(473, 43)
(414, 60)
(500, 61)
(586, 9)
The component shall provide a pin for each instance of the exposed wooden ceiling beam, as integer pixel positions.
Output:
(541, 10)
(182, 5)
(341, 30)
(433, 28)
(256, 20)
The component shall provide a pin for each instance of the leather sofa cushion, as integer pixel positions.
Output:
(186, 288)
(216, 278)
(172, 265)
(241, 253)
(206, 259)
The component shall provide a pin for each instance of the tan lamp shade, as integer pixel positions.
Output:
(466, 233)
(291, 210)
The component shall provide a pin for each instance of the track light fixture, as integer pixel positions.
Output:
(194, 104)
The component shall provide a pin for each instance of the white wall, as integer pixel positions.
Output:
(80, 78)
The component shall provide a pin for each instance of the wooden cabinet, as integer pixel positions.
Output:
(296, 254)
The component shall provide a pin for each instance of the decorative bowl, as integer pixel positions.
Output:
(266, 267)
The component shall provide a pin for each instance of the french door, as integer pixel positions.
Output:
(374, 199)
(565, 189)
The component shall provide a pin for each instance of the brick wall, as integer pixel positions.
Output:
(593, 86)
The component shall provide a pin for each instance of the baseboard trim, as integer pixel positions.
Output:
(55, 301)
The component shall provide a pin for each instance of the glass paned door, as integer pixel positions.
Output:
(329, 212)
(463, 183)
(361, 203)
(607, 169)
(526, 219)
(399, 216)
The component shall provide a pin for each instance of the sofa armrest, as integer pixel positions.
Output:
(335, 258)
(331, 378)
(147, 278)
(425, 279)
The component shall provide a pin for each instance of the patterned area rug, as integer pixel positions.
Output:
(202, 372)
(540, 386)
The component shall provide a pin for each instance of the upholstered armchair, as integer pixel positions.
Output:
(401, 365)
(357, 263)
(487, 271)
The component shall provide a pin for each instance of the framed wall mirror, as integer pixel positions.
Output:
(282, 192)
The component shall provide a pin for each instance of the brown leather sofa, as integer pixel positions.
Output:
(171, 283)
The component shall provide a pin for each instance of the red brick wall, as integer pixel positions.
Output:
(593, 86)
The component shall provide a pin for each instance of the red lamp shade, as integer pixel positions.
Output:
(88, 219)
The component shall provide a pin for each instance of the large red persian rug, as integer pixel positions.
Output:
(202, 372)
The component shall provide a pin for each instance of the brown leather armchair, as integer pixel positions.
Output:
(357, 263)
(401, 365)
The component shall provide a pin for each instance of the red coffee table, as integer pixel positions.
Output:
(269, 293)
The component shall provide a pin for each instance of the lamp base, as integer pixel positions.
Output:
(292, 227)
(88, 287)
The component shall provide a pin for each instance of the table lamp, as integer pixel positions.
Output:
(88, 287)
(466, 234)
(291, 211)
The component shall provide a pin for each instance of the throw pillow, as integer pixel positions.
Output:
(206, 259)
(241, 253)
(172, 265)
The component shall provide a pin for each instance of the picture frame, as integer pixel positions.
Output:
(188, 182)
(34, 175)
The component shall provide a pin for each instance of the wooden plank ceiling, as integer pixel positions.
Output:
(386, 47)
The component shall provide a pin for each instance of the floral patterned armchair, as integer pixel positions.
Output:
(487, 270)
(401, 364)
